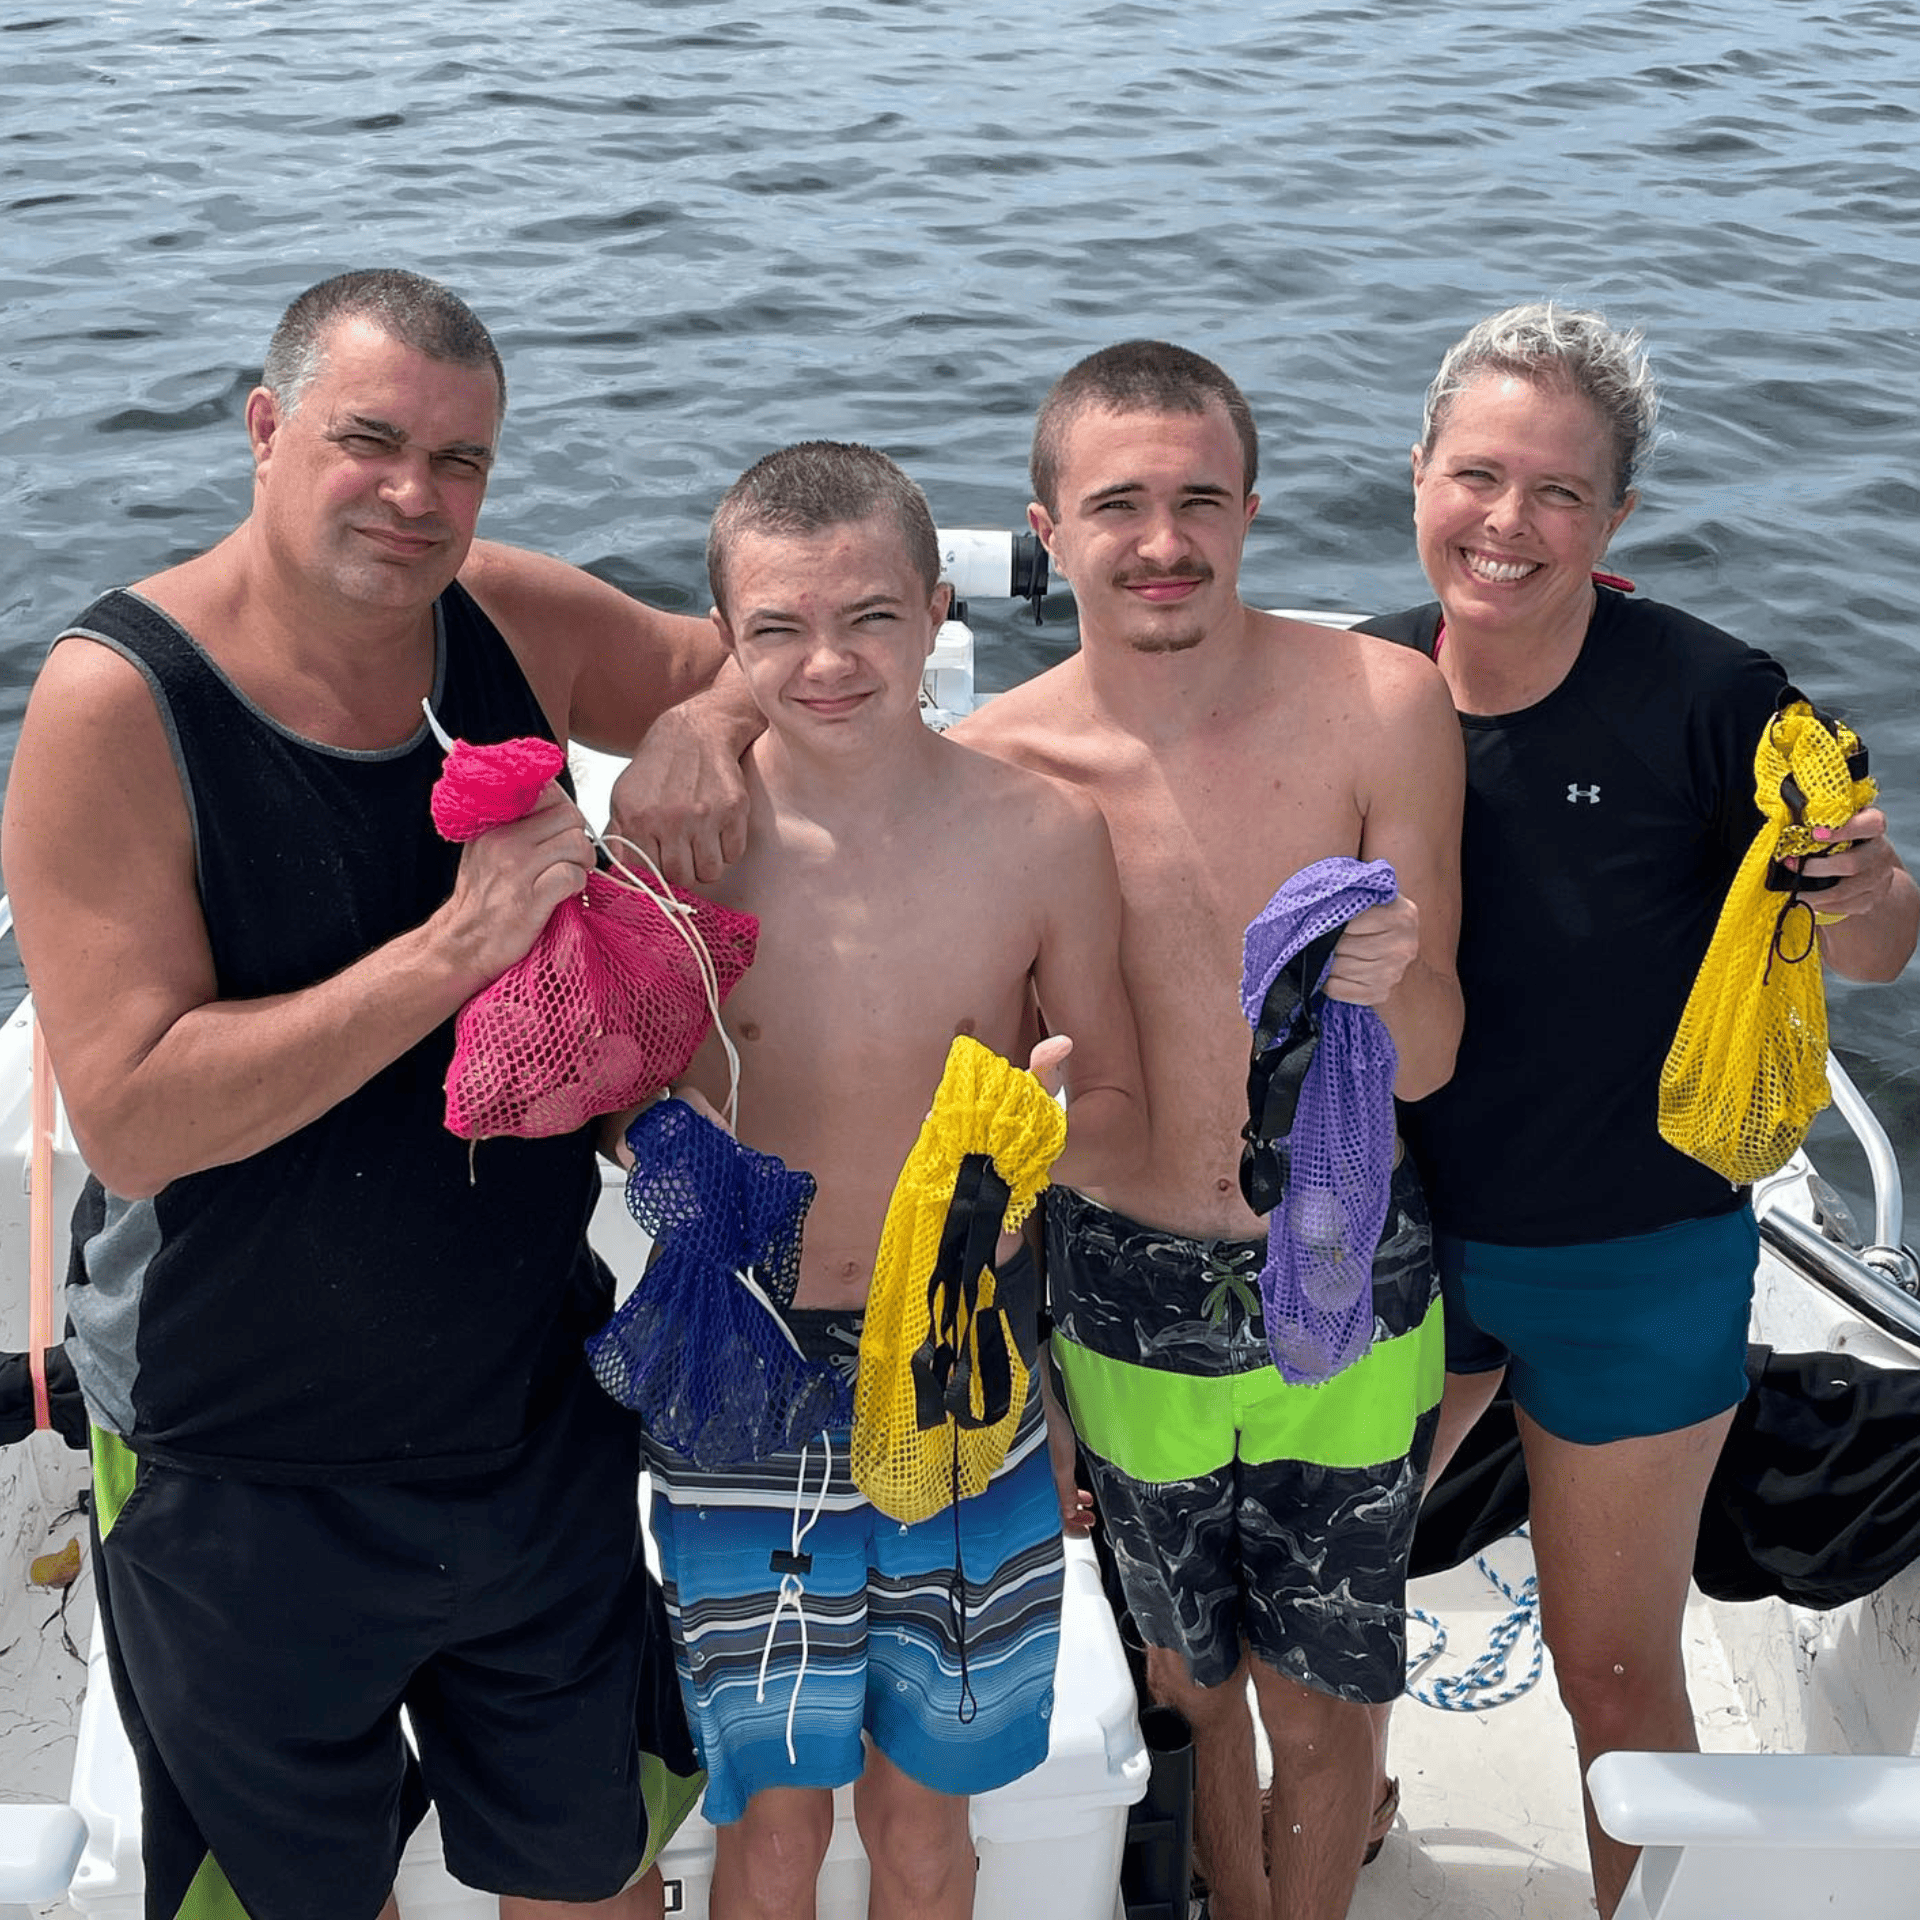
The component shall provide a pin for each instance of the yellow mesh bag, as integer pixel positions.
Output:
(1747, 1070)
(941, 1382)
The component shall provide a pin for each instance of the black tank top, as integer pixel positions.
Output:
(359, 1301)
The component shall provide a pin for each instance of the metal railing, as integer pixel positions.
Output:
(1880, 1281)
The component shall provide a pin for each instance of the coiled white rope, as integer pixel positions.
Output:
(1485, 1684)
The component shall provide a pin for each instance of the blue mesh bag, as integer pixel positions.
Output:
(699, 1349)
(1318, 1158)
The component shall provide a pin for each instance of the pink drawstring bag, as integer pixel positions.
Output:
(612, 1000)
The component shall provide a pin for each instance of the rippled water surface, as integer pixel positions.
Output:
(699, 231)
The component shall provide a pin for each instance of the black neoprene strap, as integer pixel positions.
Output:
(943, 1369)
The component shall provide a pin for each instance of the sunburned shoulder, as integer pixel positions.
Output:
(92, 727)
(513, 582)
(83, 677)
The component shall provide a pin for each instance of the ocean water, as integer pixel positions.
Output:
(701, 230)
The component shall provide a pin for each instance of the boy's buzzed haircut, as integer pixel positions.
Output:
(818, 484)
(1137, 376)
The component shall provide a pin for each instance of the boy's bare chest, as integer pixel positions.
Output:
(857, 960)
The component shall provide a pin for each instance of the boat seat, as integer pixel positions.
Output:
(39, 1849)
(1764, 1834)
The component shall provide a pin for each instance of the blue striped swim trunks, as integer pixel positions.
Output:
(803, 1617)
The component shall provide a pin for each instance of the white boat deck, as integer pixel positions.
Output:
(1490, 1825)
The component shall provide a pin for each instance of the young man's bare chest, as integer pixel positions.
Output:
(1203, 838)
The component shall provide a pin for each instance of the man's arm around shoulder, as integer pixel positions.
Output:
(656, 688)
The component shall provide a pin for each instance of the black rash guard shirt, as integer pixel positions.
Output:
(1603, 826)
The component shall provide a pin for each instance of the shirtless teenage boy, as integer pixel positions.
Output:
(909, 890)
(1259, 1528)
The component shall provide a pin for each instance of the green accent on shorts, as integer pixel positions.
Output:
(669, 1797)
(114, 1468)
(1157, 1426)
(210, 1897)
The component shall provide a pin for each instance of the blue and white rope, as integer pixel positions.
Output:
(1484, 1685)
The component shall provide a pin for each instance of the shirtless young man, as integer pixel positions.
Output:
(327, 1356)
(1260, 1529)
(908, 890)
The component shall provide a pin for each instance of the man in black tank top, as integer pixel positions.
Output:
(348, 1455)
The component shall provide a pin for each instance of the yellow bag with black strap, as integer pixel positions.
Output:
(941, 1382)
(1747, 1070)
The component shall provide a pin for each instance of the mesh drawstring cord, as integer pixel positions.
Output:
(792, 1592)
(675, 912)
(957, 1598)
(679, 917)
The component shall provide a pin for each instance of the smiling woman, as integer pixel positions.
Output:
(1610, 745)
(1534, 426)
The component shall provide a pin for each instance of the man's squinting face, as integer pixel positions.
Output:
(1152, 514)
(832, 629)
(371, 487)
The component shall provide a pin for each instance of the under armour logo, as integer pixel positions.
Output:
(1591, 794)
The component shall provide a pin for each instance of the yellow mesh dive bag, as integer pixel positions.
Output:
(941, 1382)
(1747, 1070)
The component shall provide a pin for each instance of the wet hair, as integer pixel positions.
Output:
(815, 485)
(1567, 348)
(1137, 376)
(418, 313)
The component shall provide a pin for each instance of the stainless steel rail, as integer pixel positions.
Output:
(1879, 1282)
(1843, 1273)
(1889, 1221)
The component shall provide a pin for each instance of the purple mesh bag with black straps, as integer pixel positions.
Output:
(699, 1348)
(1320, 1134)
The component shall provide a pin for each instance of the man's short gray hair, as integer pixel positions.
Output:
(417, 312)
(1565, 347)
(816, 485)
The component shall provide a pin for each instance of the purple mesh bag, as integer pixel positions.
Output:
(1319, 1153)
(699, 1348)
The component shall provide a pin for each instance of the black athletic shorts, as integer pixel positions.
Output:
(264, 1638)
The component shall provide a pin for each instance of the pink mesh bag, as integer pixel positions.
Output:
(613, 999)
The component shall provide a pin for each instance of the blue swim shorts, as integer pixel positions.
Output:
(1614, 1339)
(803, 1617)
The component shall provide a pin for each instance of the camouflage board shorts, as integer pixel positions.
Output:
(1244, 1512)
